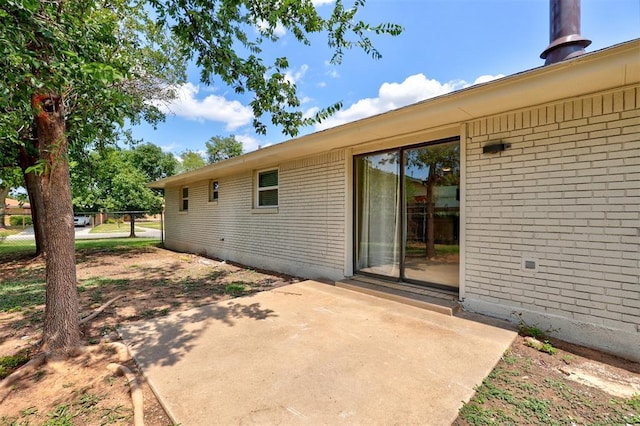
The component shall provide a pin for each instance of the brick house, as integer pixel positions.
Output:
(14, 207)
(541, 170)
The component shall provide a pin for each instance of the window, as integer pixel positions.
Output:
(268, 188)
(184, 198)
(213, 190)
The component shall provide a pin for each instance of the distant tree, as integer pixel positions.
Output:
(191, 160)
(110, 180)
(221, 148)
(152, 161)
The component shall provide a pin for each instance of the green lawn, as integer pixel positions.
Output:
(16, 247)
(8, 248)
(10, 230)
(152, 225)
(113, 227)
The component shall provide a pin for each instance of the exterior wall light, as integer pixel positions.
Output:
(493, 147)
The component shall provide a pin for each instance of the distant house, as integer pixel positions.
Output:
(534, 182)
(14, 207)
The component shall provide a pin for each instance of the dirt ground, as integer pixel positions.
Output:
(573, 386)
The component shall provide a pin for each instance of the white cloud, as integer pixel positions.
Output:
(249, 143)
(317, 3)
(310, 112)
(331, 70)
(210, 108)
(294, 76)
(487, 78)
(279, 30)
(414, 88)
(172, 147)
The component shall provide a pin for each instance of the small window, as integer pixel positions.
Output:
(213, 190)
(268, 188)
(184, 201)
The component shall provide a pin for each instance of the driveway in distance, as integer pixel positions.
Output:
(84, 233)
(312, 353)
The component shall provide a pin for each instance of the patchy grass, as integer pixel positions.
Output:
(545, 346)
(8, 364)
(94, 282)
(21, 294)
(84, 405)
(235, 289)
(153, 313)
(528, 387)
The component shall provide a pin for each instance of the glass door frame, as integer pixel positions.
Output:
(403, 213)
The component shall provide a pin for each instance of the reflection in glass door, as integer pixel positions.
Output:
(407, 214)
(432, 214)
(378, 219)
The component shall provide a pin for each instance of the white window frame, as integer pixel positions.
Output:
(214, 192)
(266, 188)
(183, 198)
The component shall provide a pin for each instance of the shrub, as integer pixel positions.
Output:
(18, 220)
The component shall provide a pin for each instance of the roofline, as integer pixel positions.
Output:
(614, 66)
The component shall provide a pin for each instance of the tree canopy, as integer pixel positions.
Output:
(222, 148)
(112, 179)
(190, 160)
(72, 73)
(152, 161)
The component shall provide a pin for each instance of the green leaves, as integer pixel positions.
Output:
(103, 73)
(116, 180)
(221, 148)
(218, 34)
(106, 59)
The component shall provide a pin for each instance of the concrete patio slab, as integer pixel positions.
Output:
(311, 353)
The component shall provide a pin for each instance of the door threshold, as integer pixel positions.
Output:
(440, 301)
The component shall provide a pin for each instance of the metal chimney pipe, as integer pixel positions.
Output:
(564, 36)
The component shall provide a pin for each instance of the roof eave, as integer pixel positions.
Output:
(615, 66)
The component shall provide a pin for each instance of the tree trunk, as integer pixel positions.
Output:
(32, 185)
(132, 220)
(431, 213)
(61, 335)
(4, 191)
(37, 211)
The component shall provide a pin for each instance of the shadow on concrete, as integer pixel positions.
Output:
(167, 340)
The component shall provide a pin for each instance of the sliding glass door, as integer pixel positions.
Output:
(378, 230)
(407, 214)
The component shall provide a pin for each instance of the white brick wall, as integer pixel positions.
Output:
(566, 193)
(304, 237)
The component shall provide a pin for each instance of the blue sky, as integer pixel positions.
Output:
(446, 45)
